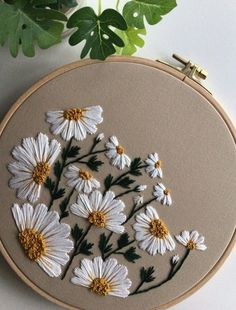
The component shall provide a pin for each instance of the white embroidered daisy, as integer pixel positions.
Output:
(75, 122)
(101, 211)
(100, 137)
(82, 180)
(175, 259)
(141, 188)
(34, 161)
(103, 277)
(116, 153)
(138, 200)
(43, 238)
(192, 240)
(162, 194)
(152, 234)
(154, 166)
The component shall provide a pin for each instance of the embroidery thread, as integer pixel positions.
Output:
(44, 238)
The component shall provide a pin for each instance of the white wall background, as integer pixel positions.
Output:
(205, 32)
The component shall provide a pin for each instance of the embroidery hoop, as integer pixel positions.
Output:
(133, 60)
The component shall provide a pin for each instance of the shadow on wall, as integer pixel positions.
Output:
(15, 294)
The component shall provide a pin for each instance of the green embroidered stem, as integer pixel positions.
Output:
(119, 178)
(125, 193)
(117, 249)
(76, 251)
(60, 174)
(172, 273)
(77, 160)
(64, 205)
(135, 210)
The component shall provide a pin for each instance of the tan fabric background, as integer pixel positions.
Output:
(149, 111)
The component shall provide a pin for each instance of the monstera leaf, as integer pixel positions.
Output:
(134, 11)
(22, 23)
(96, 31)
(132, 40)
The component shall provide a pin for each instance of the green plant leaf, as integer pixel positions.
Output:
(85, 248)
(125, 182)
(49, 184)
(146, 275)
(103, 245)
(108, 181)
(22, 23)
(72, 152)
(134, 11)
(57, 169)
(135, 166)
(59, 194)
(130, 255)
(76, 232)
(96, 31)
(123, 240)
(59, 4)
(132, 40)
(94, 163)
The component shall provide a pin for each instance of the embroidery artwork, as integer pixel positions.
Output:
(70, 176)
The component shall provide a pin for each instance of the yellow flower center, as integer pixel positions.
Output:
(85, 175)
(33, 243)
(158, 229)
(40, 172)
(100, 286)
(120, 149)
(73, 114)
(158, 164)
(191, 245)
(97, 218)
(166, 191)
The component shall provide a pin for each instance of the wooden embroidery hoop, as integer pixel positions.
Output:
(134, 60)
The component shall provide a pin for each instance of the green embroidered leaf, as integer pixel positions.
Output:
(57, 169)
(135, 166)
(123, 240)
(108, 182)
(22, 23)
(96, 31)
(146, 275)
(134, 11)
(131, 255)
(49, 184)
(93, 163)
(85, 248)
(76, 232)
(60, 193)
(73, 151)
(103, 245)
(63, 206)
(125, 182)
(132, 40)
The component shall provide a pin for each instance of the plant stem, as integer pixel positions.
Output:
(123, 175)
(76, 251)
(172, 273)
(125, 193)
(118, 248)
(134, 209)
(67, 202)
(60, 174)
(84, 156)
(117, 5)
(99, 7)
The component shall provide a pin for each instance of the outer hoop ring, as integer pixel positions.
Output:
(149, 63)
